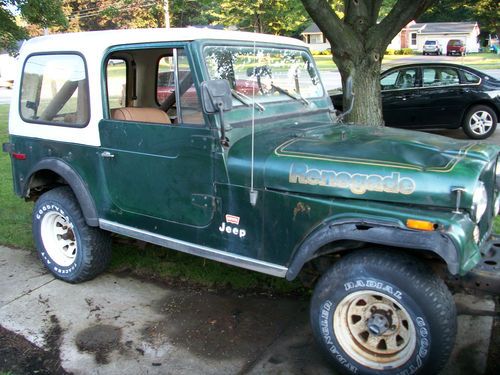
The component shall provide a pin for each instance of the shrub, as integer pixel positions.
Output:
(406, 51)
(390, 51)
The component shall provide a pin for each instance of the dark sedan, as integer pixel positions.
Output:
(435, 95)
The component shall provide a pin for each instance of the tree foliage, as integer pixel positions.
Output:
(192, 12)
(85, 15)
(44, 13)
(282, 17)
(485, 12)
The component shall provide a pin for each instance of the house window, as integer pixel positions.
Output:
(316, 38)
(413, 39)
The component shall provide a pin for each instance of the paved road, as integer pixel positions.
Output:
(119, 325)
(5, 95)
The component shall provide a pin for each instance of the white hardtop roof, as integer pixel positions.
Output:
(94, 41)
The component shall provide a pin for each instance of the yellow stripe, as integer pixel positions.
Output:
(280, 152)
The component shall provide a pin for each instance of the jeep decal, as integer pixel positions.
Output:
(357, 183)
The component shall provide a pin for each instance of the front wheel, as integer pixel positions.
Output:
(380, 312)
(480, 122)
(69, 248)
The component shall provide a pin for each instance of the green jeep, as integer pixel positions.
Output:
(225, 145)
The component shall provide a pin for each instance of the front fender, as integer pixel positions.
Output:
(380, 233)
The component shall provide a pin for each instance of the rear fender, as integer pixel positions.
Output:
(75, 182)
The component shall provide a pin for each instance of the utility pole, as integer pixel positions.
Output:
(167, 14)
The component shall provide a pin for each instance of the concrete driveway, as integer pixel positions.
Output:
(116, 324)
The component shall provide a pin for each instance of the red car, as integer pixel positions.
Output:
(165, 87)
(455, 47)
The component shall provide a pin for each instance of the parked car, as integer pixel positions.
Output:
(455, 47)
(432, 47)
(439, 95)
(166, 88)
(268, 182)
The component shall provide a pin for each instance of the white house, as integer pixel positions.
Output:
(412, 36)
(418, 33)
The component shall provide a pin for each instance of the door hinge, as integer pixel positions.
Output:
(204, 201)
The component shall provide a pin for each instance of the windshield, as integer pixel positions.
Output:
(264, 73)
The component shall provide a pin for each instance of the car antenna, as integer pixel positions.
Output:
(253, 193)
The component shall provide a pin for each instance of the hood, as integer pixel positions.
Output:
(359, 162)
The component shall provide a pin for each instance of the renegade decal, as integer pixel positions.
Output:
(357, 183)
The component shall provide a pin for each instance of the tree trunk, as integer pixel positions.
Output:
(365, 72)
(358, 42)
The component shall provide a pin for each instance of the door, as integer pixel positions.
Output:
(443, 105)
(156, 150)
(401, 97)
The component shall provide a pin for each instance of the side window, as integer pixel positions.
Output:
(389, 81)
(435, 77)
(187, 109)
(470, 78)
(400, 79)
(116, 75)
(189, 102)
(54, 90)
(165, 84)
(429, 77)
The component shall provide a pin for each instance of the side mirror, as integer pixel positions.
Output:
(216, 96)
(349, 99)
(348, 90)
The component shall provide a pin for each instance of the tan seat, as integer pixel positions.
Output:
(153, 115)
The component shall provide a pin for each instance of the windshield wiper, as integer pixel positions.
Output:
(247, 100)
(294, 95)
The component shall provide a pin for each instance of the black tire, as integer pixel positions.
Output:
(70, 249)
(480, 122)
(416, 308)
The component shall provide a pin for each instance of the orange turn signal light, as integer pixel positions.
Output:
(420, 225)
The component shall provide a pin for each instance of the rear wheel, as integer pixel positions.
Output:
(480, 122)
(69, 248)
(380, 312)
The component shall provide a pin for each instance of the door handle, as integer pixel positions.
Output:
(402, 97)
(107, 154)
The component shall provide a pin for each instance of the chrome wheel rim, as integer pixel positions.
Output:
(481, 122)
(58, 238)
(374, 330)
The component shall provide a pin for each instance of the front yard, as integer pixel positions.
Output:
(481, 61)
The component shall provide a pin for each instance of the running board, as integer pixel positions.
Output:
(194, 249)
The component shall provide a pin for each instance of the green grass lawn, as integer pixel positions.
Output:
(480, 61)
(138, 258)
(15, 214)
